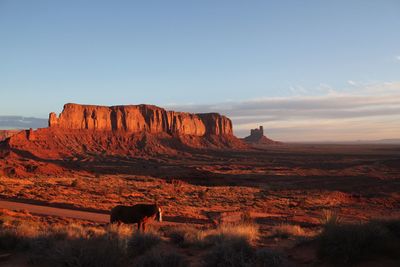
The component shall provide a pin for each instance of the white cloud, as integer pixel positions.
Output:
(367, 111)
(352, 83)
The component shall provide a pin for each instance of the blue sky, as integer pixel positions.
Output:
(215, 55)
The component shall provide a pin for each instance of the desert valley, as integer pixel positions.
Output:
(199, 133)
(279, 197)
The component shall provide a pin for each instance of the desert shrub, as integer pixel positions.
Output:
(267, 258)
(122, 231)
(155, 258)
(186, 236)
(247, 231)
(139, 243)
(10, 240)
(330, 218)
(287, 230)
(352, 243)
(17, 236)
(230, 252)
(95, 251)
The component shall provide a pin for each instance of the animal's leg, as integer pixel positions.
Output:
(139, 225)
(143, 227)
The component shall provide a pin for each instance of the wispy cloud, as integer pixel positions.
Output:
(398, 58)
(367, 111)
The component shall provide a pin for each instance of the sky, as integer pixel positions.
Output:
(305, 70)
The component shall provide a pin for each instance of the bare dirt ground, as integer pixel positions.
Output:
(275, 185)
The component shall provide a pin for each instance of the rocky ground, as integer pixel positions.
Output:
(278, 187)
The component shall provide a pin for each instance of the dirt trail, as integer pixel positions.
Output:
(46, 210)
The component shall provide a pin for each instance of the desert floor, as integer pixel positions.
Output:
(275, 186)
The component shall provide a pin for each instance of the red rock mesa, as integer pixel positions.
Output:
(140, 118)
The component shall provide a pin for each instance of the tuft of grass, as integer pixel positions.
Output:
(157, 258)
(287, 230)
(93, 252)
(139, 243)
(232, 252)
(17, 235)
(247, 231)
(353, 243)
(186, 236)
(330, 218)
(122, 231)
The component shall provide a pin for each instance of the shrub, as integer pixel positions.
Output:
(232, 252)
(330, 218)
(139, 243)
(96, 252)
(186, 236)
(247, 231)
(267, 258)
(10, 240)
(155, 258)
(122, 231)
(18, 236)
(352, 243)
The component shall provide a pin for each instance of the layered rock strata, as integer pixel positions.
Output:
(140, 118)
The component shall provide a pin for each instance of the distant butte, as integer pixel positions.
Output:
(257, 137)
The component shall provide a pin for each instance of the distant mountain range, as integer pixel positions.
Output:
(394, 141)
(20, 122)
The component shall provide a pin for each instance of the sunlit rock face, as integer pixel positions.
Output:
(140, 118)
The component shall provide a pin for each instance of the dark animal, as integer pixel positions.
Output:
(139, 213)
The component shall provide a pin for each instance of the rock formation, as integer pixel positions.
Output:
(140, 118)
(257, 137)
(4, 134)
(98, 134)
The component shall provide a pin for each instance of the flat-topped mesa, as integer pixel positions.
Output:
(140, 118)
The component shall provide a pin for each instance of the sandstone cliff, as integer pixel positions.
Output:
(4, 134)
(140, 118)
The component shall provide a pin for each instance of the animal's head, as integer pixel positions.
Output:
(159, 214)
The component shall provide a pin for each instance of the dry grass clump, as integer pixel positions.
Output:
(15, 234)
(236, 251)
(232, 252)
(330, 218)
(246, 231)
(187, 236)
(158, 258)
(101, 251)
(139, 243)
(122, 231)
(288, 230)
(353, 243)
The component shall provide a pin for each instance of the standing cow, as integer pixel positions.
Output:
(139, 213)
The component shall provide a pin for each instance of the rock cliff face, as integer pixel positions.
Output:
(140, 118)
(4, 134)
